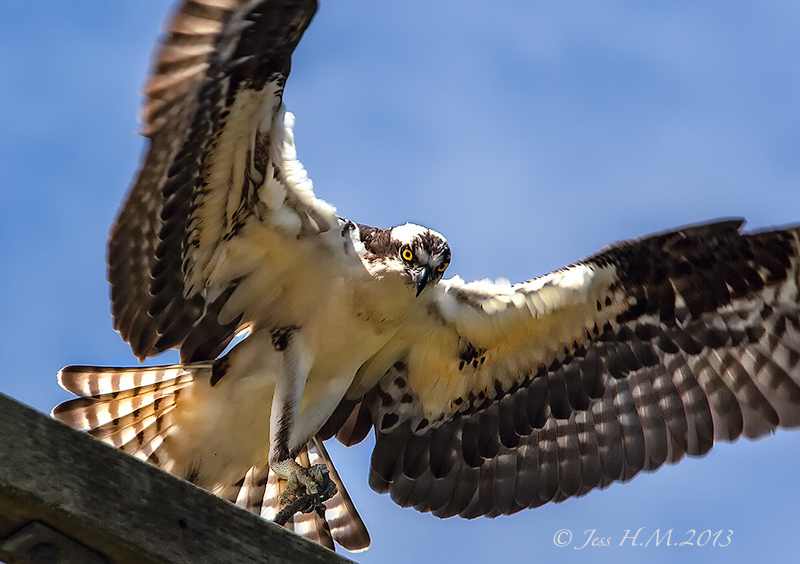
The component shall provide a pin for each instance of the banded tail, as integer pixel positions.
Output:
(134, 410)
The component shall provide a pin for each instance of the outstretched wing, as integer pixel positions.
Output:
(221, 154)
(504, 397)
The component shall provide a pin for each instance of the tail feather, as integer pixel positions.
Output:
(109, 410)
(132, 427)
(147, 446)
(260, 490)
(133, 409)
(346, 525)
(92, 381)
(248, 493)
(133, 419)
(149, 437)
(115, 432)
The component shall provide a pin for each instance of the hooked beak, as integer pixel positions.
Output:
(421, 278)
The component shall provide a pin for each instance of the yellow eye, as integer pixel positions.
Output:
(442, 267)
(407, 254)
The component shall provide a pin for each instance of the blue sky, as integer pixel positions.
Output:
(530, 133)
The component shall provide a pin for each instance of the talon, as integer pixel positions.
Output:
(307, 489)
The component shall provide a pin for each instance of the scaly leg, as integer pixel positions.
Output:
(307, 488)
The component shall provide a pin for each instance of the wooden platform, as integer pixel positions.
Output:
(66, 498)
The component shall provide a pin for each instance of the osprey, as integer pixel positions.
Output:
(485, 398)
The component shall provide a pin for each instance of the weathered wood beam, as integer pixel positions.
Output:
(57, 484)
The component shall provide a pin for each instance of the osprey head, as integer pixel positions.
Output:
(419, 253)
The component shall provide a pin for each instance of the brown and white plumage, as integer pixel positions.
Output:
(485, 398)
(513, 396)
(134, 410)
